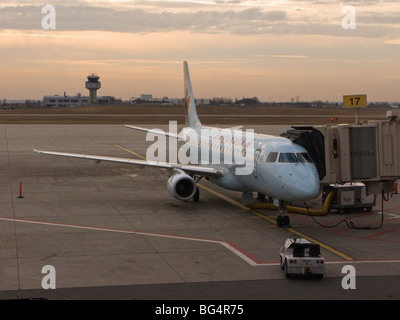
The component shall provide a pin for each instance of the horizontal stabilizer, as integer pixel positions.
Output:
(156, 131)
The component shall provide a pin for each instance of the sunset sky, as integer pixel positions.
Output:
(274, 50)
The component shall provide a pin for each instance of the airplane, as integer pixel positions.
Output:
(280, 169)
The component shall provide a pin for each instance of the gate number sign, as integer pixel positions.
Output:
(355, 101)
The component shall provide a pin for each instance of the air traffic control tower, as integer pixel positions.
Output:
(93, 84)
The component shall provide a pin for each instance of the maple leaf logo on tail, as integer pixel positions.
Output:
(187, 102)
(191, 118)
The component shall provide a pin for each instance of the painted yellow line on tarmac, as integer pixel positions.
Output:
(236, 203)
(338, 253)
(243, 207)
(130, 151)
(240, 205)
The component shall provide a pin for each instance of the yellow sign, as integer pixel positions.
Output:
(355, 101)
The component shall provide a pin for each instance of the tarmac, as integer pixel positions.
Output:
(112, 231)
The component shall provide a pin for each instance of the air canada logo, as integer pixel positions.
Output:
(187, 101)
(206, 146)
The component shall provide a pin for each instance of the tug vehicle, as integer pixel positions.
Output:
(299, 256)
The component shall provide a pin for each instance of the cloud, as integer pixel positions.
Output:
(288, 56)
(84, 18)
(217, 16)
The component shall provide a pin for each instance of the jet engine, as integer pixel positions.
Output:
(181, 186)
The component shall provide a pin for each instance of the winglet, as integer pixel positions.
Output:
(191, 118)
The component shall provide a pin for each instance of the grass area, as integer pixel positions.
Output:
(211, 115)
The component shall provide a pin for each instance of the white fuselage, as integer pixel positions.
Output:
(280, 168)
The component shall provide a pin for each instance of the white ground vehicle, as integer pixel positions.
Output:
(300, 256)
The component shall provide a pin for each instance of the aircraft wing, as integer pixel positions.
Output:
(193, 169)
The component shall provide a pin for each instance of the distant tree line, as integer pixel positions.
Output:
(27, 104)
(229, 101)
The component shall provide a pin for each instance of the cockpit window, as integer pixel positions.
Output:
(272, 157)
(304, 158)
(287, 157)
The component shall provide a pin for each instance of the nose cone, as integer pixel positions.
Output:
(306, 188)
(299, 183)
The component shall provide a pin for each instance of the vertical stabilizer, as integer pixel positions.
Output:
(191, 118)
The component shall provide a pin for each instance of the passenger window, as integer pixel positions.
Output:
(286, 157)
(272, 157)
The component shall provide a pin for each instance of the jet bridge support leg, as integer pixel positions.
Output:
(282, 219)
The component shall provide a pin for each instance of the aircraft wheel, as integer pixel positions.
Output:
(279, 221)
(286, 220)
(196, 196)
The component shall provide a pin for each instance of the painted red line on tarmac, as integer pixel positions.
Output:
(377, 234)
(250, 256)
(238, 251)
(393, 208)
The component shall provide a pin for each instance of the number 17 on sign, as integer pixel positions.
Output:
(355, 101)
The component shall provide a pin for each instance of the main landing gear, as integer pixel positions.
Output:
(196, 196)
(282, 219)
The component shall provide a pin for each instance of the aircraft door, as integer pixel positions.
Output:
(256, 158)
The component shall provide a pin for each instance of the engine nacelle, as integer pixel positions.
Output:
(181, 186)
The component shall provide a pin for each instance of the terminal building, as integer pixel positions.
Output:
(65, 101)
(73, 101)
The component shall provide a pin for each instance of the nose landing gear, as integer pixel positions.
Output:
(282, 220)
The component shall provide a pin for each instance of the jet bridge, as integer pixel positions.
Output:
(367, 153)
